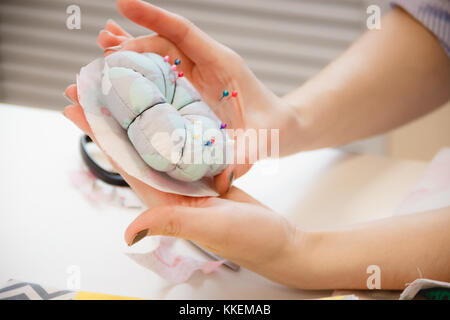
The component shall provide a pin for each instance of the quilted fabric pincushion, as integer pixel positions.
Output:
(169, 125)
(152, 123)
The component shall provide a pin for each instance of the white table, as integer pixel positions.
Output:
(46, 225)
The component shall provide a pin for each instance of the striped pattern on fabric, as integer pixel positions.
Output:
(18, 290)
(434, 14)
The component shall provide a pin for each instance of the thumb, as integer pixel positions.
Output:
(224, 180)
(175, 221)
(192, 41)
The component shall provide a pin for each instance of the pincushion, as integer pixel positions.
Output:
(169, 125)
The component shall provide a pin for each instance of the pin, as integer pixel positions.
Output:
(208, 143)
(174, 67)
(223, 125)
(180, 75)
(177, 61)
(225, 93)
(166, 58)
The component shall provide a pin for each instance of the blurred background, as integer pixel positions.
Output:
(285, 42)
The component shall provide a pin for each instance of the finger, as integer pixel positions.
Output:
(196, 44)
(175, 221)
(224, 180)
(109, 50)
(161, 46)
(150, 196)
(116, 29)
(71, 93)
(150, 43)
(107, 39)
(238, 195)
(76, 115)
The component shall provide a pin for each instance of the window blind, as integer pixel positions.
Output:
(285, 42)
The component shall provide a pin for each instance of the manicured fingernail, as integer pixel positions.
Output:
(139, 236)
(67, 98)
(107, 31)
(114, 48)
(231, 180)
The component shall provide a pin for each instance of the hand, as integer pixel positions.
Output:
(150, 196)
(234, 226)
(210, 66)
(238, 228)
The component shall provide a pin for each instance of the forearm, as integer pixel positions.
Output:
(387, 78)
(404, 248)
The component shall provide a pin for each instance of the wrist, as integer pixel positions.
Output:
(313, 122)
(296, 127)
(303, 249)
(277, 128)
(303, 264)
(292, 265)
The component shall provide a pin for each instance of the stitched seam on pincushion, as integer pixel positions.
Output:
(161, 70)
(140, 113)
(164, 77)
(182, 150)
(161, 102)
(187, 104)
(129, 107)
(120, 98)
(146, 137)
(174, 92)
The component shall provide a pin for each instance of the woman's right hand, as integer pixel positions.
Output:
(211, 67)
(235, 225)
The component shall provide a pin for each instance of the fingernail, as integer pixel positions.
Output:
(114, 48)
(231, 180)
(108, 32)
(67, 98)
(139, 236)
